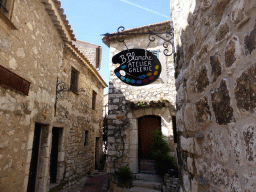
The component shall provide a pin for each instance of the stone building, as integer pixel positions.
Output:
(91, 51)
(215, 81)
(133, 112)
(51, 99)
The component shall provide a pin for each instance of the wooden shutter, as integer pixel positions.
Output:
(74, 80)
(11, 80)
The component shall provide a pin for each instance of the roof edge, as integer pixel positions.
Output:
(107, 39)
(59, 20)
(80, 55)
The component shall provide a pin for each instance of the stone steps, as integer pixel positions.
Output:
(149, 177)
(147, 180)
(147, 184)
(139, 189)
(147, 166)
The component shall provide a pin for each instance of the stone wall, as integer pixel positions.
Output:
(35, 51)
(214, 71)
(127, 103)
(89, 50)
(75, 112)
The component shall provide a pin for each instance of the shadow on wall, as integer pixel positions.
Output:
(123, 132)
(117, 129)
(214, 71)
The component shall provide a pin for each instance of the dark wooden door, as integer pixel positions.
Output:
(147, 124)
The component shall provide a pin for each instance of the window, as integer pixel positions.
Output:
(74, 80)
(94, 95)
(98, 57)
(156, 53)
(86, 133)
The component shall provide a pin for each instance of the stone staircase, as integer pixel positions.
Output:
(147, 183)
(147, 180)
(147, 166)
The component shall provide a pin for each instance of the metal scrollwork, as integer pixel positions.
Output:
(60, 88)
(120, 29)
(165, 32)
(119, 38)
(166, 50)
(151, 38)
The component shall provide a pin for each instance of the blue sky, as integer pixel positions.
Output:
(91, 18)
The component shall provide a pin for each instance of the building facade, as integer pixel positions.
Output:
(91, 51)
(215, 82)
(51, 99)
(132, 109)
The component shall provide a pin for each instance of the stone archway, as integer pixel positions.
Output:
(134, 115)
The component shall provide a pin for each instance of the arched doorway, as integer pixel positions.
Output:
(146, 126)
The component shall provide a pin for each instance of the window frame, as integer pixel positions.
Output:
(98, 57)
(74, 78)
(94, 98)
(155, 52)
(86, 137)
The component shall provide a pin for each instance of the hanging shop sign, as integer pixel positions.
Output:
(138, 67)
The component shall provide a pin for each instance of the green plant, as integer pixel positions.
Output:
(160, 152)
(142, 104)
(124, 177)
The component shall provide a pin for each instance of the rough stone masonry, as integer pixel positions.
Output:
(215, 72)
(128, 103)
(35, 44)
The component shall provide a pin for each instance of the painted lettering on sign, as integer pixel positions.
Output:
(138, 67)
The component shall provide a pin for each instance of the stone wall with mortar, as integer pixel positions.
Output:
(123, 118)
(215, 83)
(89, 50)
(75, 113)
(35, 51)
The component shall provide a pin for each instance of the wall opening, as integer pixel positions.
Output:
(175, 135)
(86, 137)
(74, 80)
(146, 126)
(97, 153)
(56, 138)
(94, 96)
(34, 159)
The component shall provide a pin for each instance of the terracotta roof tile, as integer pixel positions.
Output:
(64, 18)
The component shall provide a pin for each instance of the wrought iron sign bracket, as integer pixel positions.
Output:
(62, 87)
(164, 32)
